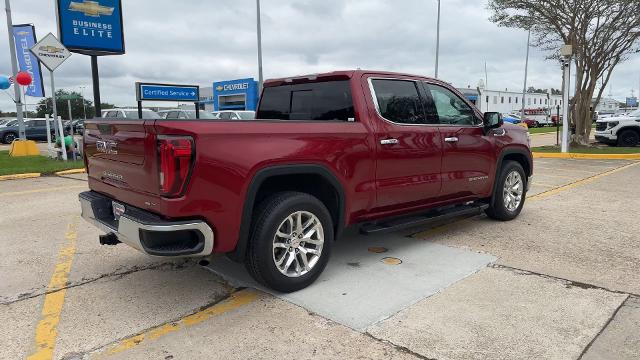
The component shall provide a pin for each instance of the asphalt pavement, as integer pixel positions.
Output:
(562, 281)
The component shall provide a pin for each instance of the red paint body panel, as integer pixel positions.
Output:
(421, 172)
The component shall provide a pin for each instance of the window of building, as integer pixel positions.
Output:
(529, 101)
(535, 101)
(487, 99)
(509, 99)
(495, 99)
(502, 100)
(516, 100)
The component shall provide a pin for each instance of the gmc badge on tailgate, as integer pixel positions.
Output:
(107, 147)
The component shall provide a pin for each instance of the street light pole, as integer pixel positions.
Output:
(84, 108)
(526, 72)
(259, 31)
(14, 68)
(438, 41)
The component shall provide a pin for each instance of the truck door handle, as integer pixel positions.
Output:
(388, 141)
(451, 139)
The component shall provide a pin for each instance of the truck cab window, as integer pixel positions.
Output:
(452, 110)
(330, 100)
(399, 101)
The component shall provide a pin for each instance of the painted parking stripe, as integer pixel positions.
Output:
(235, 301)
(35, 191)
(584, 181)
(46, 331)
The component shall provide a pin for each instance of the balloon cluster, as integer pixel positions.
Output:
(23, 78)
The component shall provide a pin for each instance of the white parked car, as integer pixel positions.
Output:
(234, 115)
(184, 114)
(619, 130)
(129, 114)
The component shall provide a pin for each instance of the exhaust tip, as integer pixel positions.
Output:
(203, 262)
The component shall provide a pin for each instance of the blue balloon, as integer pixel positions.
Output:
(4, 82)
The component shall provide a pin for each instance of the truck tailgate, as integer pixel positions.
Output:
(121, 153)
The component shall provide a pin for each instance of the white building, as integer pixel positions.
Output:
(607, 106)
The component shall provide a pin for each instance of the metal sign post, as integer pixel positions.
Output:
(49, 147)
(167, 92)
(52, 54)
(566, 52)
(14, 69)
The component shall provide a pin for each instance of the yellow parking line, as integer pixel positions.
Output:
(35, 191)
(236, 300)
(46, 331)
(581, 182)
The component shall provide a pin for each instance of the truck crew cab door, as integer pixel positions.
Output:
(408, 145)
(468, 155)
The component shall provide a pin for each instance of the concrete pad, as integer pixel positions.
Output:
(585, 234)
(620, 340)
(101, 312)
(18, 321)
(357, 289)
(501, 314)
(268, 328)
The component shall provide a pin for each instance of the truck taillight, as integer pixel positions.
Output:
(175, 161)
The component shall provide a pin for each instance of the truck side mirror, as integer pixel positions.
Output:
(492, 120)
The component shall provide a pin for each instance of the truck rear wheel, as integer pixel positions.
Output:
(291, 241)
(510, 192)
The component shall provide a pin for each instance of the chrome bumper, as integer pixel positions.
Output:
(144, 231)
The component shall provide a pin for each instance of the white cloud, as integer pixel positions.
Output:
(199, 41)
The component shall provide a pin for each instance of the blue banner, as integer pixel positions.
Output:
(163, 92)
(25, 38)
(91, 26)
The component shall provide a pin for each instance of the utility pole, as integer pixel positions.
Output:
(566, 52)
(259, 31)
(14, 68)
(438, 41)
(526, 71)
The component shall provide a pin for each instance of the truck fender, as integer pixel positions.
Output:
(505, 153)
(278, 170)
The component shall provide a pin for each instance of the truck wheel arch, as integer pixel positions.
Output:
(262, 177)
(516, 154)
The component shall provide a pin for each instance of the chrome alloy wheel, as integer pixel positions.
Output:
(513, 191)
(297, 244)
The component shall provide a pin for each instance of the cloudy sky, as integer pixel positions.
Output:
(201, 41)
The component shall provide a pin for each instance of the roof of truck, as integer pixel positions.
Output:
(340, 74)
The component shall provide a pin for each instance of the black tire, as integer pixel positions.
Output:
(497, 209)
(628, 138)
(536, 124)
(9, 137)
(271, 213)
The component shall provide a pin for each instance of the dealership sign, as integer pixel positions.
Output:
(91, 27)
(167, 92)
(25, 38)
(50, 52)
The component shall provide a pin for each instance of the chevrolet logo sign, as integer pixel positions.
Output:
(50, 49)
(91, 8)
(219, 88)
(22, 33)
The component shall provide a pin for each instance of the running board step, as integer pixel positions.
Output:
(422, 219)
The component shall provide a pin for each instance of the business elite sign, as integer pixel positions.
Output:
(91, 27)
(25, 39)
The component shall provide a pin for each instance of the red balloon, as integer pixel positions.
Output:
(24, 78)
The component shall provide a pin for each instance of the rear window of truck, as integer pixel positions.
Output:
(330, 100)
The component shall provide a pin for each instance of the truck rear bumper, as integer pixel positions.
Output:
(145, 231)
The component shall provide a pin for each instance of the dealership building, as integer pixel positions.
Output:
(509, 102)
(240, 94)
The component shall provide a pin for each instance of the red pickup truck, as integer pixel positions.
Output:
(378, 150)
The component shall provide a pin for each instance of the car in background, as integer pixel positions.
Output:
(184, 114)
(4, 122)
(129, 114)
(619, 130)
(77, 126)
(35, 129)
(234, 115)
(512, 118)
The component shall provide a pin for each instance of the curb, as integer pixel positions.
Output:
(540, 155)
(70, 172)
(19, 176)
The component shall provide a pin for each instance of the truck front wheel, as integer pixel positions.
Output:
(628, 138)
(510, 192)
(290, 242)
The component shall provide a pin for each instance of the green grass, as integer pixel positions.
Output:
(34, 164)
(590, 149)
(543, 130)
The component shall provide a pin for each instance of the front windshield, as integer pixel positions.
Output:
(12, 123)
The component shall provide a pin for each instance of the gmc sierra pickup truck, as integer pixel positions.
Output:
(377, 150)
